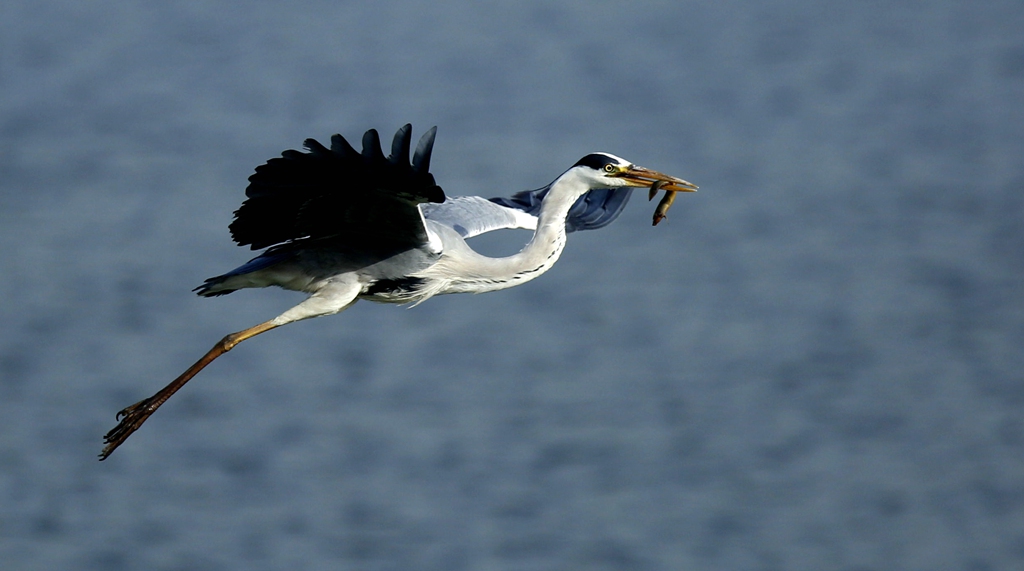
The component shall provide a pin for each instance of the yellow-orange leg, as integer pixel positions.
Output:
(132, 417)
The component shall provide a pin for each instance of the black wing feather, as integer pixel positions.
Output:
(371, 146)
(400, 146)
(421, 159)
(341, 147)
(339, 193)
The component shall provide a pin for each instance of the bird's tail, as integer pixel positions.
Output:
(213, 287)
(242, 276)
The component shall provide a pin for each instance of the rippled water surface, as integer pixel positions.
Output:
(814, 363)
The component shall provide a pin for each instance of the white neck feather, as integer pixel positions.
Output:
(466, 271)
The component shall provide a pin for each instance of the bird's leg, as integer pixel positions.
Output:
(331, 297)
(133, 416)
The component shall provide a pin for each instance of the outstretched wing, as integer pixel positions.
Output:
(595, 209)
(338, 193)
(473, 215)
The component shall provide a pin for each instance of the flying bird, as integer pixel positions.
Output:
(341, 226)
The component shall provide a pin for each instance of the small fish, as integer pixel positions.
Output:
(655, 188)
(666, 201)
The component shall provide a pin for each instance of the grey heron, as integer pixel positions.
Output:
(341, 226)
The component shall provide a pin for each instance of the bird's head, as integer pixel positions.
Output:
(604, 170)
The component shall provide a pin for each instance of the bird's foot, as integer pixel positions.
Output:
(131, 418)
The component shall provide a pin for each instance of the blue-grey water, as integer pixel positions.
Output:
(816, 362)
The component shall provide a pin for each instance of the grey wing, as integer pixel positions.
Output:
(595, 209)
(473, 215)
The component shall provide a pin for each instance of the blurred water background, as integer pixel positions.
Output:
(815, 363)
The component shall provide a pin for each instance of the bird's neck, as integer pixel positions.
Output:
(548, 241)
(480, 273)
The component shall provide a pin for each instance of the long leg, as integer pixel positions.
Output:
(333, 298)
(132, 417)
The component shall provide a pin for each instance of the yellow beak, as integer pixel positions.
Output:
(639, 176)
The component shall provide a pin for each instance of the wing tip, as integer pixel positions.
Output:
(425, 147)
(400, 146)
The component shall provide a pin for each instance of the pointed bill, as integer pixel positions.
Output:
(643, 177)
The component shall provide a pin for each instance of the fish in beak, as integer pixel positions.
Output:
(643, 177)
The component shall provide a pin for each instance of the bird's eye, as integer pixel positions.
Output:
(609, 168)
